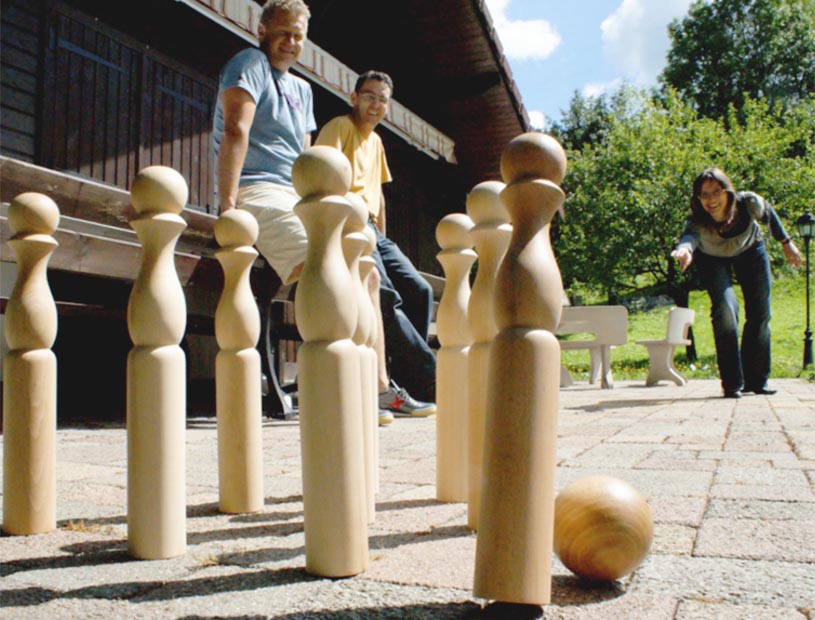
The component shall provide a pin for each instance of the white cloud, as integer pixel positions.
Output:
(595, 89)
(530, 39)
(635, 36)
(537, 119)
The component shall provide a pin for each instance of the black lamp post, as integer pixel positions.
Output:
(806, 228)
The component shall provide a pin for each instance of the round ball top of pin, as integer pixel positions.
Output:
(32, 213)
(236, 228)
(453, 232)
(159, 189)
(321, 171)
(484, 204)
(533, 156)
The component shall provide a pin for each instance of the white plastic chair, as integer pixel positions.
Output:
(661, 352)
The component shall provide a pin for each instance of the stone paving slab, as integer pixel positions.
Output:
(730, 485)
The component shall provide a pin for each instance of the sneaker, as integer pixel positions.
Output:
(403, 405)
(762, 390)
(385, 417)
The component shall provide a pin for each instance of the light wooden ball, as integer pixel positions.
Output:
(321, 171)
(159, 189)
(235, 228)
(533, 155)
(603, 528)
(32, 213)
(453, 232)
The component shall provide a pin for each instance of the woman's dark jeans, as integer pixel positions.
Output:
(749, 368)
(407, 303)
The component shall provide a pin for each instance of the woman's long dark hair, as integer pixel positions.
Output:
(698, 213)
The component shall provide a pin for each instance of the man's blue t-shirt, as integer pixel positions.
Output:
(283, 116)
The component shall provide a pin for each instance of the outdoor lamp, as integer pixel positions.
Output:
(806, 228)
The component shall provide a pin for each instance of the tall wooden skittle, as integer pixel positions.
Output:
(354, 243)
(237, 368)
(30, 372)
(367, 265)
(334, 497)
(514, 546)
(452, 456)
(156, 373)
(491, 235)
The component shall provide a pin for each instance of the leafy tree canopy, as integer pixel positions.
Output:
(725, 51)
(627, 195)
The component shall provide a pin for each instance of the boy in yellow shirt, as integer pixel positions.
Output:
(405, 297)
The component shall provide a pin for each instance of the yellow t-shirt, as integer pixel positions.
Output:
(369, 167)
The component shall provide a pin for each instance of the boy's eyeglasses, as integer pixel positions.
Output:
(371, 98)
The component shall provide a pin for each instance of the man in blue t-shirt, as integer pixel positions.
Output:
(263, 120)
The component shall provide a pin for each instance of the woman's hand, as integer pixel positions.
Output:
(792, 254)
(685, 258)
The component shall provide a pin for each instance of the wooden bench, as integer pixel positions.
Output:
(609, 326)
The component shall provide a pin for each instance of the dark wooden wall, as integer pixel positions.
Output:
(20, 32)
(114, 106)
(78, 96)
(102, 89)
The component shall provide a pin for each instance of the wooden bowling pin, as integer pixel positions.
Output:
(452, 416)
(237, 368)
(354, 243)
(156, 373)
(30, 372)
(514, 545)
(490, 234)
(333, 464)
(367, 265)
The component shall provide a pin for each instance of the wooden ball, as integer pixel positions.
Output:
(603, 528)
(453, 232)
(235, 228)
(32, 213)
(159, 189)
(533, 155)
(321, 171)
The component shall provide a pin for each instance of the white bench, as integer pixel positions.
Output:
(609, 324)
(661, 352)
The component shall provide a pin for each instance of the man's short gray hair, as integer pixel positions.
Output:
(298, 8)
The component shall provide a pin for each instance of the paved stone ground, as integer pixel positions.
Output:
(730, 484)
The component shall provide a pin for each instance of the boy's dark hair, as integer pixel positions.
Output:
(373, 75)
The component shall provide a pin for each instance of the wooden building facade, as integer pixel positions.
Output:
(93, 90)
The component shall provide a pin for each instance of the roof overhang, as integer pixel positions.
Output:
(242, 18)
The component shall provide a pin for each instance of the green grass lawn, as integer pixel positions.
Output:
(630, 361)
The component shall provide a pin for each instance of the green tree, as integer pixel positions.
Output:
(627, 196)
(725, 51)
(585, 122)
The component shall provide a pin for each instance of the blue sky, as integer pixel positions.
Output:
(557, 47)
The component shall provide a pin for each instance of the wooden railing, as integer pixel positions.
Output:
(95, 239)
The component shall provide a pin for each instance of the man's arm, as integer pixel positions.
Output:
(380, 220)
(239, 112)
(307, 141)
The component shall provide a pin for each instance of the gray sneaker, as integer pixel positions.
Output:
(403, 405)
(385, 417)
